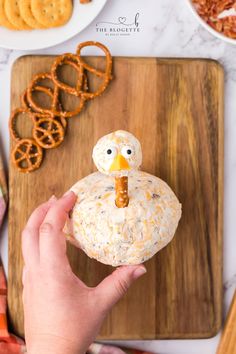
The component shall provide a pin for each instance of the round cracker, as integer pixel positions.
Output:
(52, 13)
(3, 18)
(27, 15)
(13, 14)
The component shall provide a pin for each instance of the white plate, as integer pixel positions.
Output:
(209, 28)
(82, 16)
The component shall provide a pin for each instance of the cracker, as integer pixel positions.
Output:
(13, 15)
(27, 15)
(52, 13)
(3, 18)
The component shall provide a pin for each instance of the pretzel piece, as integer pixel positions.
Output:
(48, 133)
(13, 118)
(77, 110)
(72, 60)
(121, 187)
(59, 117)
(105, 75)
(56, 108)
(34, 86)
(27, 155)
(24, 99)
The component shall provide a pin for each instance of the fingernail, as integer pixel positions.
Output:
(139, 272)
(53, 198)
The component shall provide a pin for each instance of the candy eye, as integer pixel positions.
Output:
(127, 151)
(111, 152)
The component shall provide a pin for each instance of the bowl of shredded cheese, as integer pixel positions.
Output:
(217, 16)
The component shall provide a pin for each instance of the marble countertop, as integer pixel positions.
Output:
(166, 29)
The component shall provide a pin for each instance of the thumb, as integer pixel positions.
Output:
(114, 287)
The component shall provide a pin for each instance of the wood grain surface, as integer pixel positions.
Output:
(175, 108)
(228, 340)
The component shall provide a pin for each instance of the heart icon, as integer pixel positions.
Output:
(122, 20)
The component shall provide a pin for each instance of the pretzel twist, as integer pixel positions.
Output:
(72, 60)
(105, 75)
(48, 133)
(13, 119)
(27, 155)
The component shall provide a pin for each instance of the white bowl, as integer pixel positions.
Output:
(208, 27)
(81, 17)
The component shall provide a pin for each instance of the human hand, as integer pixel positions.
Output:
(62, 314)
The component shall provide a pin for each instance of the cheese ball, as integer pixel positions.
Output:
(123, 236)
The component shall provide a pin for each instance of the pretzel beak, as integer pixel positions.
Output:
(119, 163)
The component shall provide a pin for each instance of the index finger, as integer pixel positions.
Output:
(30, 234)
(52, 241)
(58, 213)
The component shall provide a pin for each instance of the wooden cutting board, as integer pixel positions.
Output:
(175, 108)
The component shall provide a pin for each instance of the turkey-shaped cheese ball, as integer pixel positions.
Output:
(122, 215)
